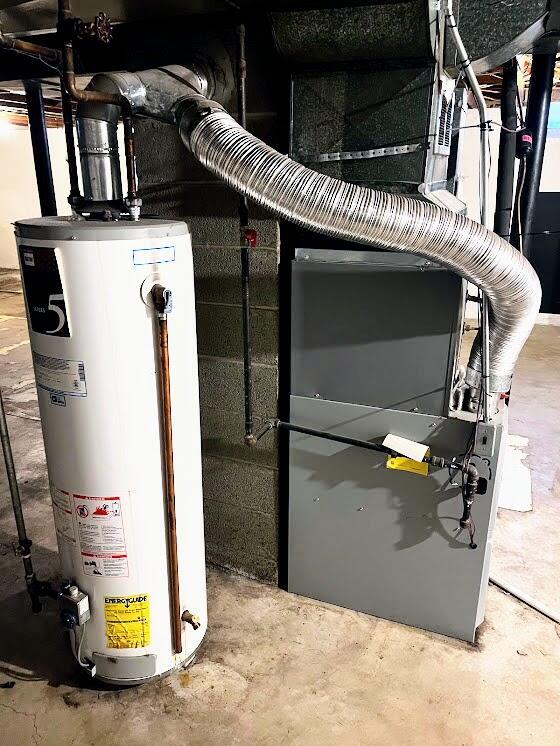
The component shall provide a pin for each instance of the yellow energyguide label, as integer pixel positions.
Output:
(407, 464)
(127, 621)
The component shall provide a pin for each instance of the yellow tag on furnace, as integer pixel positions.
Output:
(127, 621)
(407, 464)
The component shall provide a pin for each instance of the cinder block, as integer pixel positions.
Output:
(174, 185)
(223, 433)
(239, 484)
(221, 386)
(222, 228)
(161, 156)
(240, 531)
(217, 272)
(220, 332)
(255, 566)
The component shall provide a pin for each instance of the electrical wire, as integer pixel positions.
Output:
(519, 103)
(532, 233)
(39, 58)
(523, 166)
(78, 653)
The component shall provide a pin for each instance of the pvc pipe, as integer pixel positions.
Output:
(526, 599)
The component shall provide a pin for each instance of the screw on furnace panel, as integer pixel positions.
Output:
(362, 507)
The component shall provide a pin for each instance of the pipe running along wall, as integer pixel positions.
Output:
(347, 211)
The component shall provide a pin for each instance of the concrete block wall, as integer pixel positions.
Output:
(240, 484)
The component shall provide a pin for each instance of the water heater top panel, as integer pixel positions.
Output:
(68, 228)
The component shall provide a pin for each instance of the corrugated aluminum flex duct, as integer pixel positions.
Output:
(380, 219)
(348, 211)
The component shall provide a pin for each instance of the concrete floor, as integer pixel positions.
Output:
(276, 668)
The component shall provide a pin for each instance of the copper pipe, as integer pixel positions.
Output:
(130, 155)
(81, 95)
(161, 298)
(67, 117)
(47, 54)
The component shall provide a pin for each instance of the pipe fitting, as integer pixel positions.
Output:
(191, 619)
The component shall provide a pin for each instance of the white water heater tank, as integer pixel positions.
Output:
(94, 340)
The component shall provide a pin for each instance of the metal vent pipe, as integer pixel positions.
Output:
(348, 211)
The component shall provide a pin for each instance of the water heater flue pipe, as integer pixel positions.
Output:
(351, 212)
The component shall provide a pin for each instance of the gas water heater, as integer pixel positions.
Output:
(135, 600)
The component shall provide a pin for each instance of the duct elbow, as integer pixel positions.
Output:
(160, 92)
(154, 93)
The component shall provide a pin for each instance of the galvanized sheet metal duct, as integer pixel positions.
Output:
(380, 219)
(99, 158)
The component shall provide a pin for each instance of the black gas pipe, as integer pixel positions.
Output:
(506, 159)
(68, 120)
(248, 239)
(536, 121)
(472, 483)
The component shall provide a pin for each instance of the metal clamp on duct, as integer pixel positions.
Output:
(347, 211)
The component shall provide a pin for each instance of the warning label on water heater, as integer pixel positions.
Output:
(127, 621)
(63, 520)
(60, 376)
(101, 536)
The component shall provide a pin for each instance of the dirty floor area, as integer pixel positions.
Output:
(276, 668)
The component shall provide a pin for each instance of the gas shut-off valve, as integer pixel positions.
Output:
(74, 606)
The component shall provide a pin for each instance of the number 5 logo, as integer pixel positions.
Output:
(58, 310)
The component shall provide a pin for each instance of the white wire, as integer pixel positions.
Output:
(523, 165)
(78, 653)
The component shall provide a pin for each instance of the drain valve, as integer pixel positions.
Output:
(191, 619)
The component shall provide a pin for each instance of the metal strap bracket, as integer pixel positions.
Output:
(357, 155)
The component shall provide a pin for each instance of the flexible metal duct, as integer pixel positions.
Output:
(353, 213)
(390, 221)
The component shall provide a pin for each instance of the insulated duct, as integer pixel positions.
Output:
(350, 212)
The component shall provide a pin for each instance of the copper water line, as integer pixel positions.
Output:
(47, 54)
(162, 303)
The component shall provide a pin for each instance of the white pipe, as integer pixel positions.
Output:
(466, 66)
(521, 596)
